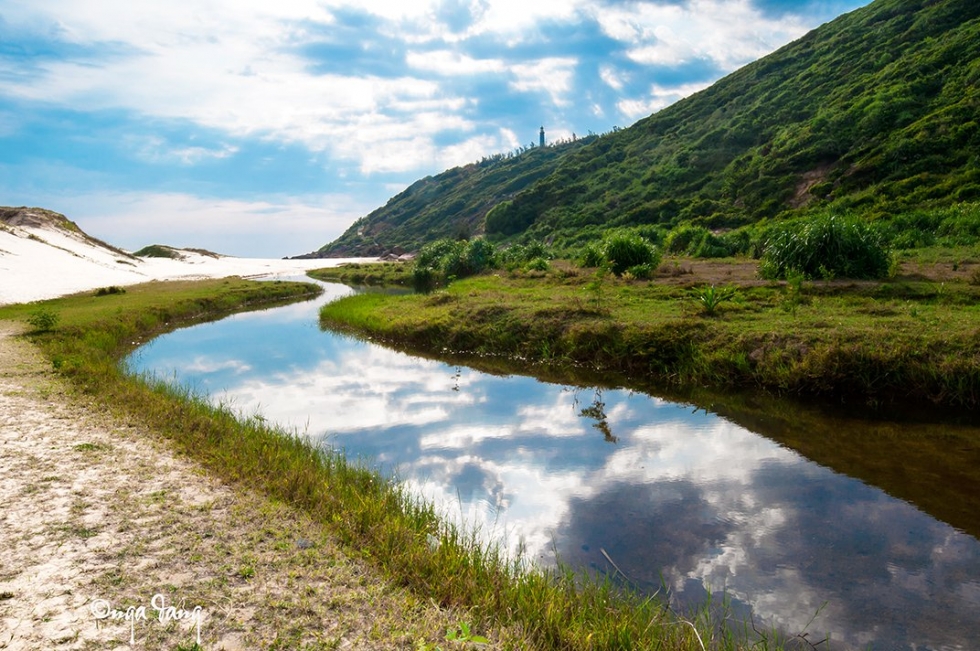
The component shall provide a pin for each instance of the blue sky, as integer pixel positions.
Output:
(264, 129)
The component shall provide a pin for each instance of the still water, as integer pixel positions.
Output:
(673, 495)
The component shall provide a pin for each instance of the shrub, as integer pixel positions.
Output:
(157, 251)
(436, 255)
(477, 256)
(592, 255)
(699, 242)
(538, 264)
(442, 261)
(621, 250)
(684, 238)
(423, 279)
(43, 320)
(108, 291)
(640, 271)
(827, 246)
(525, 256)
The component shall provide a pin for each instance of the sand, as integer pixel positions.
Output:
(104, 527)
(99, 516)
(44, 262)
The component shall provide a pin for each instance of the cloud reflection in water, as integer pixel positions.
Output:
(687, 497)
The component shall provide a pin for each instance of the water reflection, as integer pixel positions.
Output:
(597, 412)
(667, 493)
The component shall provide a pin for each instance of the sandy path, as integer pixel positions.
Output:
(97, 514)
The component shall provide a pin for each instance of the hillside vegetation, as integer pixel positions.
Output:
(874, 113)
(451, 204)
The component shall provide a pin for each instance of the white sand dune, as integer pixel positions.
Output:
(44, 261)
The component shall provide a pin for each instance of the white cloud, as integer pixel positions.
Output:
(612, 77)
(154, 149)
(201, 364)
(658, 98)
(237, 66)
(226, 67)
(515, 21)
(728, 33)
(551, 75)
(446, 62)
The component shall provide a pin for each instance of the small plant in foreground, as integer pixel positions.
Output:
(711, 298)
(794, 291)
(43, 320)
(463, 634)
(596, 286)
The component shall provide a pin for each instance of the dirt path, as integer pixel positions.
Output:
(98, 516)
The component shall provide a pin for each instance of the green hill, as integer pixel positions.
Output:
(451, 204)
(875, 113)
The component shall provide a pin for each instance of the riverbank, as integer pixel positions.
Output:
(402, 540)
(912, 338)
(101, 512)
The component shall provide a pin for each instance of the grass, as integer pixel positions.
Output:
(372, 515)
(357, 273)
(904, 339)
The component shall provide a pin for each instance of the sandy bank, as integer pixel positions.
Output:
(41, 262)
(99, 513)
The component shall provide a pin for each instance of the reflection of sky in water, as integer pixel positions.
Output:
(683, 496)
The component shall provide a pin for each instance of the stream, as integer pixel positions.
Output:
(669, 495)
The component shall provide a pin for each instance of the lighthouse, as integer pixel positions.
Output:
(541, 137)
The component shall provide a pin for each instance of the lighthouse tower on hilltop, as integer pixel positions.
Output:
(541, 137)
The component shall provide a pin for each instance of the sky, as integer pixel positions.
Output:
(264, 129)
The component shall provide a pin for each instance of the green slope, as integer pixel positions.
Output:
(451, 204)
(875, 113)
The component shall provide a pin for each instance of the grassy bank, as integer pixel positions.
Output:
(368, 273)
(910, 338)
(85, 336)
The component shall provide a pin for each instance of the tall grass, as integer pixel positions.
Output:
(624, 251)
(826, 247)
(371, 514)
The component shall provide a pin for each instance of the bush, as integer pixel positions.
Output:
(442, 261)
(640, 271)
(478, 256)
(827, 246)
(592, 255)
(957, 225)
(699, 242)
(423, 279)
(622, 250)
(525, 256)
(43, 320)
(684, 238)
(109, 291)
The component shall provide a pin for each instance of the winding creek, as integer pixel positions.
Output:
(668, 492)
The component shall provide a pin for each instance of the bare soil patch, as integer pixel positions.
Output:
(99, 515)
